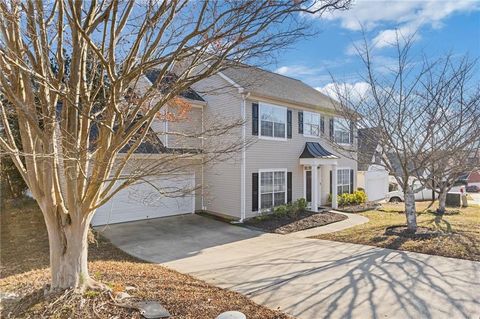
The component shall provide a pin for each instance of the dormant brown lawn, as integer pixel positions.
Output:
(459, 238)
(24, 272)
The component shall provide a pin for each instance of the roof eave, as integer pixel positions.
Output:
(274, 99)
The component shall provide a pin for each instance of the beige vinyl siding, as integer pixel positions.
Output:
(221, 175)
(184, 132)
(279, 154)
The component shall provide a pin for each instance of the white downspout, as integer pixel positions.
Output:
(244, 158)
(203, 164)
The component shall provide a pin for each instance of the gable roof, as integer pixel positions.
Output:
(270, 84)
(169, 79)
(151, 144)
(366, 147)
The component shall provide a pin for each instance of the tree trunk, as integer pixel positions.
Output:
(442, 201)
(68, 253)
(410, 210)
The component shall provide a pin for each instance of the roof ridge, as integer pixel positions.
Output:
(244, 65)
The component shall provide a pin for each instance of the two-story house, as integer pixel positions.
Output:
(286, 128)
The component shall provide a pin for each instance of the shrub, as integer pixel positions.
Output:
(298, 206)
(346, 199)
(281, 210)
(291, 209)
(360, 197)
(301, 204)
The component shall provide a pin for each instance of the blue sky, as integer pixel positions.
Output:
(440, 26)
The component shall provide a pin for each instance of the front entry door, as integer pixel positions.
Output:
(308, 186)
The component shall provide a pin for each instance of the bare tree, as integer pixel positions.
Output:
(110, 45)
(409, 105)
(453, 116)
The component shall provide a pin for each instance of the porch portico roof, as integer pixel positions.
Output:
(316, 154)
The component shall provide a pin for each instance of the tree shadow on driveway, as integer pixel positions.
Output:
(353, 281)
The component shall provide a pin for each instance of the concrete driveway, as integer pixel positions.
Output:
(307, 278)
(475, 198)
(167, 239)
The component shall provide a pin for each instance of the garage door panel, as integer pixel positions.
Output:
(159, 197)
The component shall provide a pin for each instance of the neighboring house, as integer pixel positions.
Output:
(371, 175)
(471, 178)
(287, 128)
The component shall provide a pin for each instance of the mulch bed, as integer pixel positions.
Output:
(25, 274)
(403, 231)
(285, 224)
(359, 208)
(182, 295)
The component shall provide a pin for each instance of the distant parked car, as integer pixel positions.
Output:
(397, 196)
(472, 189)
(423, 194)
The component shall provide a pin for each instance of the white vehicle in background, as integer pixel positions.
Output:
(422, 193)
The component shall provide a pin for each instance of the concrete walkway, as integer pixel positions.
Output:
(351, 221)
(308, 278)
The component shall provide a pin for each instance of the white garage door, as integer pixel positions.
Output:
(159, 197)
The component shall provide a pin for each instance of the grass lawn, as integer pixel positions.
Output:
(459, 238)
(24, 273)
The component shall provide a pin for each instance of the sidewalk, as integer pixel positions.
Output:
(353, 220)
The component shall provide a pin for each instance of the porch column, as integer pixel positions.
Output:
(334, 186)
(314, 188)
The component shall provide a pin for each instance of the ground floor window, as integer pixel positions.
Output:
(343, 181)
(272, 189)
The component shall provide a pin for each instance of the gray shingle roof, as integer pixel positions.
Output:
(315, 150)
(366, 147)
(151, 144)
(270, 84)
(169, 79)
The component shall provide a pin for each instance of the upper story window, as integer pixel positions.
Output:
(273, 121)
(312, 124)
(341, 131)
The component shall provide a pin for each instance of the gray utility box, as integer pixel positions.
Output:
(456, 199)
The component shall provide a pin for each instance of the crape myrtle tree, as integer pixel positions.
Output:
(109, 45)
(417, 106)
(12, 185)
(453, 117)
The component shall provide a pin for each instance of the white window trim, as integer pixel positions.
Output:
(320, 133)
(349, 182)
(268, 170)
(260, 106)
(335, 119)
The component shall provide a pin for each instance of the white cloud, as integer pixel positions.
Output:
(406, 16)
(354, 91)
(388, 37)
(308, 74)
(297, 71)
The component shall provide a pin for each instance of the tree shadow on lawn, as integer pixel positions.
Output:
(440, 222)
(24, 241)
(370, 283)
